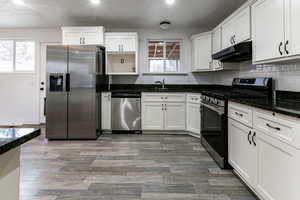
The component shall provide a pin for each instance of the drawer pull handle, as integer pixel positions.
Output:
(253, 137)
(239, 114)
(273, 127)
(249, 134)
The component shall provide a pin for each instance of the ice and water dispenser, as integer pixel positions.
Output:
(56, 82)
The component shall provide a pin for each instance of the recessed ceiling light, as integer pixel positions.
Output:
(95, 2)
(18, 2)
(170, 2)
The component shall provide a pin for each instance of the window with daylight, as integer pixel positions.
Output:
(164, 56)
(17, 56)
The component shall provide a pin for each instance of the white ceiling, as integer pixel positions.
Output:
(115, 13)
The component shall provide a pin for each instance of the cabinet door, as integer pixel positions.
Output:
(268, 29)
(292, 43)
(175, 116)
(152, 116)
(128, 44)
(72, 38)
(216, 41)
(202, 52)
(242, 26)
(242, 154)
(112, 43)
(193, 118)
(106, 111)
(92, 38)
(278, 169)
(227, 34)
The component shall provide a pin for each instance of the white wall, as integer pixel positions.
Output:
(186, 52)
(286, 76)
(19, 93)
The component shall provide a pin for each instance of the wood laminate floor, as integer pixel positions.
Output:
(125, 167)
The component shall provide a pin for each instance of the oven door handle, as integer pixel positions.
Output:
(214, 108)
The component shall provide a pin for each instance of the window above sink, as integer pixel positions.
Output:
(164, 56)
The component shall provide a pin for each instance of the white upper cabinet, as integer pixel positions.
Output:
(121, 42)
(275, 30)
(89, 35)
(228, 33)
(268, 29)
(237, 29)
(122, 53)
(292, 43)
(201, 52)
(216, 47)
(216, 40)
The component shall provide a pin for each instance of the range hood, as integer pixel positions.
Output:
(236, 53)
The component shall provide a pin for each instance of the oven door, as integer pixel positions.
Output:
(214, 131)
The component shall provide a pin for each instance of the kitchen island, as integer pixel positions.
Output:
(11, 140)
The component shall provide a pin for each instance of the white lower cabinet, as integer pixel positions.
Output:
(163, 116)
(152, 116)
(193, 120)
(242, 151)
(106, 111)
(268, 164)
(278, 169)
(175, 116)
(163, 111)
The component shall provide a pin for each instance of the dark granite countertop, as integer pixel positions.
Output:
(169, 88)
(11, 138)
(286, 102)
(281, 104)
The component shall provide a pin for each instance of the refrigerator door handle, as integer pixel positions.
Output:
(45, 102)
(67, 82)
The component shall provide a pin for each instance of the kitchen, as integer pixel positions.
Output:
(178, 100)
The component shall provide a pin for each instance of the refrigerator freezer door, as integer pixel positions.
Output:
(82, 112)
(56, 101)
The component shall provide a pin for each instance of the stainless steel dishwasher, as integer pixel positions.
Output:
(126, 111)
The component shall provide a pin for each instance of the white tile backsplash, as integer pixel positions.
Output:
(286, 76)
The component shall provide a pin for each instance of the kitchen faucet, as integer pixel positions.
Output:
(162, 83)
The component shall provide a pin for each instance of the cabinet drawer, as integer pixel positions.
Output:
(152, 97)
(163, 97)
(278, 126)
(241, 114)
(175, 97)
(193, 98)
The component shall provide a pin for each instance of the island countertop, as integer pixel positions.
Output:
(11, 138)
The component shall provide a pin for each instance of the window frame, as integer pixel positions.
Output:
(14, 70)
(164, 58)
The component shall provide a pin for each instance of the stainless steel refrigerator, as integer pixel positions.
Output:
(75, 78)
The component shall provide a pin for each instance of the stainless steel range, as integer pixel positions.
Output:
(214, 127)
